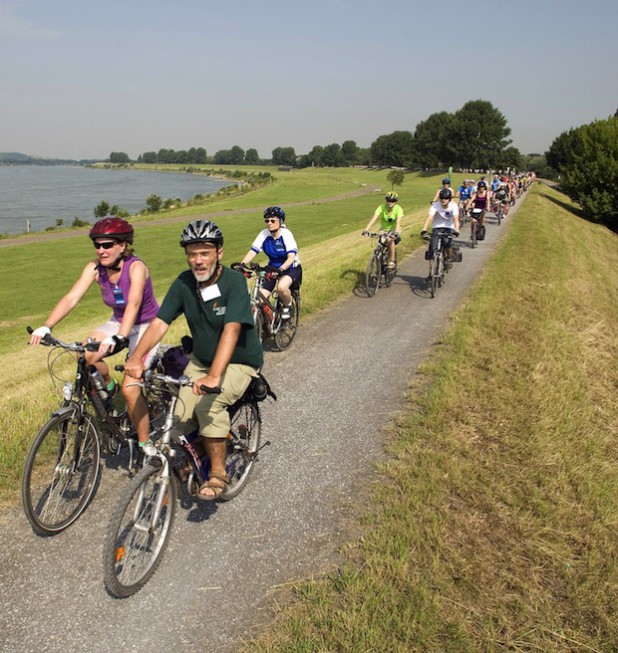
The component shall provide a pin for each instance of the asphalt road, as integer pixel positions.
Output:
(339, 384)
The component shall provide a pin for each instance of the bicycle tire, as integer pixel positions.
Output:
(259, 325)
(473, 235)
(432, 277)
(499, 214)
(286, 329)
(242, 447)
(372, 275)
(54, 494)
(133, 547)
(389, 274)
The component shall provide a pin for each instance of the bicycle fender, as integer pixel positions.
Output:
(64, 410)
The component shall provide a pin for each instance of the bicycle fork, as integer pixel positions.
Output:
(151, 522)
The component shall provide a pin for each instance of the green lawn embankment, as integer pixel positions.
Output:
(36, 274)
(495, 525)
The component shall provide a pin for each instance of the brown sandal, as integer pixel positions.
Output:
(217, 487)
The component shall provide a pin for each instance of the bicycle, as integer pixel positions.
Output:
(379, 264)
(476, 217)
(62, 468)
(438, 265)
(267, 308)
(140, 527)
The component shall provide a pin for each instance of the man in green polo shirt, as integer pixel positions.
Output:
(226, 350)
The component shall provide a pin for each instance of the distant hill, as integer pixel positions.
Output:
(16, 158)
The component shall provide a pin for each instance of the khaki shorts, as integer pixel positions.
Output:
(208, 413)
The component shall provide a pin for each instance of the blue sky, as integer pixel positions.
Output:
(81, 79)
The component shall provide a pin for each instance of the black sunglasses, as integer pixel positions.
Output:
(271, 220)
(106, 245)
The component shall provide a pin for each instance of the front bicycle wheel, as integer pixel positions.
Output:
(372, 276)
(242, 446)
(434, 275)
(138, 532)
(473, 235)
(61, 472)
(286, 329)
(390, 272)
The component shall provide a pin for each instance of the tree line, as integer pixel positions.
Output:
(474, 137)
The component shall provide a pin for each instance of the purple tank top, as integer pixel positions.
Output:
(481, 202)
(116, 295)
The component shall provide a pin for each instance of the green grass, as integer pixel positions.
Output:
(36, 274)
(494, 526)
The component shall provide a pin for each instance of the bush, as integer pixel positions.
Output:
(591, 175)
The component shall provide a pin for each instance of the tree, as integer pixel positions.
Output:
(431, 141)
(101, 209)
(392, 150)
(315, 156)
(591, 172)
(284, 156)
(331, 155)
(251, 156)
(237, 155)
(154, 203)
(349, 153)
(200, 155)
(395, 178)
(149, 157)
(119, 157)
(478, 136)
(563, 149)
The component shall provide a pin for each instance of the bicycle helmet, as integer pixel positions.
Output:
(482, 184)
(446, 194)
(391, 197)
(275, 212)
(446, 180)
(112, 227)
(201, 231)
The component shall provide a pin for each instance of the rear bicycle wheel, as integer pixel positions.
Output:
(242, 446)
(372, 275)
(61, 472)
(138, 532)
(286, 329)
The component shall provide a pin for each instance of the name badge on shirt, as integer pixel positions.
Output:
(210, 292)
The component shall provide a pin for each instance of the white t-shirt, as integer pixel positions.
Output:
(443, 218)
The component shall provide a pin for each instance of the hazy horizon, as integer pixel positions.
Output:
(137, 77)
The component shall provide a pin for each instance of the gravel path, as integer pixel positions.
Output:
(342, 380)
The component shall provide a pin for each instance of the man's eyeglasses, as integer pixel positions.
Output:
(271, 220)
(106, 245)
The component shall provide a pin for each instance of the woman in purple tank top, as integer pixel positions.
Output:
(126, 288)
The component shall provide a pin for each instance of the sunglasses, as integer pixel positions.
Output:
(271, 220)
(106, 245)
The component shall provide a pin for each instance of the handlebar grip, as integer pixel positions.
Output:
(29, 329)
(119, 368)
(211, 391)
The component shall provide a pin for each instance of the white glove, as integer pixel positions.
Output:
(41, 332)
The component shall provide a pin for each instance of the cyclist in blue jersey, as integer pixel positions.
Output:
(278, 243)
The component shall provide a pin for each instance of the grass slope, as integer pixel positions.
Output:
(495, 526)
(36, 274)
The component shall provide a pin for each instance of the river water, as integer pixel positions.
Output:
(44, 194)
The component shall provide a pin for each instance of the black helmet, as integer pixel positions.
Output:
(201, 231)
(446, 180)
(446, 194)
(275, 212)
(482, 184)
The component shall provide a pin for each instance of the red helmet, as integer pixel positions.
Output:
(112, 227)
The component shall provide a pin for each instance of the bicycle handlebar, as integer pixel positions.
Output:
(51, 341)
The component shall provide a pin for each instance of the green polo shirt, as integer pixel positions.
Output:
(206, 319)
